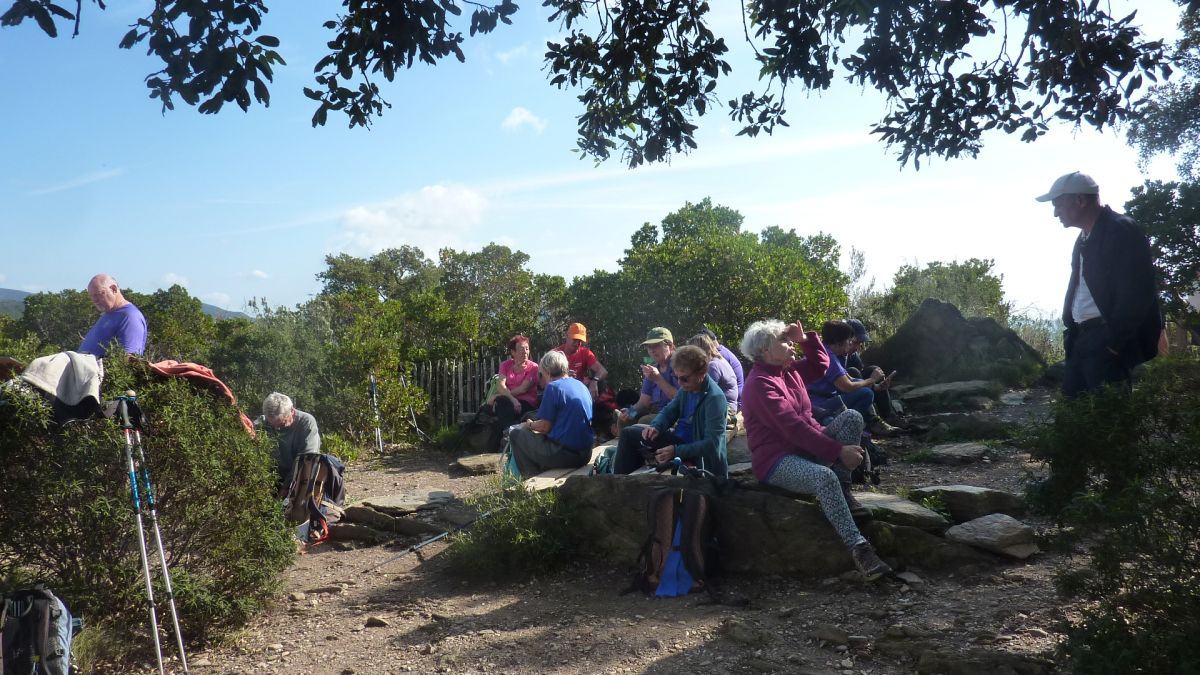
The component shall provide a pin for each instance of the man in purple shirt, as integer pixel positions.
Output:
(119, 319)
(658, 380)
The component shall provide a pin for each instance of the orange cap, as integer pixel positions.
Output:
(577, 331)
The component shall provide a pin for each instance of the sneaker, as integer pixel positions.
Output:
(881, 429)
(868, 562)
(857, 511)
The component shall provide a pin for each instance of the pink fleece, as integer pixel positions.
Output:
(778, 412)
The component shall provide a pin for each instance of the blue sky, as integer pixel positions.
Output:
(240, 205)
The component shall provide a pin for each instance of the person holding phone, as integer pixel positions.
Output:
(836, 389)
(659, 384)
(855, 367)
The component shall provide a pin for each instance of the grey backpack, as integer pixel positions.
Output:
(35, 633)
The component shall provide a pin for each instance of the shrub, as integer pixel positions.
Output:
(68, 522)
(524, 534)
(345, 450)
(1124, 474)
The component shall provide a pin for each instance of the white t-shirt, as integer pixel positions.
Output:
(1083, 306)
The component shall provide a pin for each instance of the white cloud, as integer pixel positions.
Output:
(521, 117)
(433, 217)
(79, 181)
(170, 279)
(506, 56)
(217, 298)
(255, 274)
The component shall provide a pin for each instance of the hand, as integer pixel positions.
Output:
(664, 455)
(852, 456)
(794, 331)
(649, 433)
(595, 391)
(651, 373)
(622, 417)
(876, 370)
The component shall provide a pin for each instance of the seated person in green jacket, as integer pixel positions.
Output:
(691, 426)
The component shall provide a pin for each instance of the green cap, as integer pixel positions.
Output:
(657, 335)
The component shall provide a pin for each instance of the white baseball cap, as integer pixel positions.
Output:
(1075, 183)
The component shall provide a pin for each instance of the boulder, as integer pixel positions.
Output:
(956, 454)
(738, 449)
(377, 520)
(900, 511)
(968, 502)
(998, 533)
(936, 344)
(761, 532)
(959, 425)
(351, 532)
(410, 501)
(945, 396)
(480, 464)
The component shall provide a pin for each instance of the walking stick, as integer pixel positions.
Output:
(128, 425)
(436, 537)
(375, 405)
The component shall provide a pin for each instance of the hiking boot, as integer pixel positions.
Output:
(881, 429)
(857, 511)
(868, 562)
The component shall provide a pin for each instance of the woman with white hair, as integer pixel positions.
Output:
(790, 449)
(561, 436)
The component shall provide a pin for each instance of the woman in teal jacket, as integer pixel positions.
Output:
(691, 426)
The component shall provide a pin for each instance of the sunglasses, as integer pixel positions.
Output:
(686, 378)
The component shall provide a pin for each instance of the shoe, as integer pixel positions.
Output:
(881, 429)
(857, 511)
(868, 562)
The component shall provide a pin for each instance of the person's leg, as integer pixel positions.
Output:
(506, 416)
(883, 404)
(629, 455)
(800, 475)
(862, 400)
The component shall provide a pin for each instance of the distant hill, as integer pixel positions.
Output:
(12, 303)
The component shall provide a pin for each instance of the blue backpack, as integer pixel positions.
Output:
(35, 633)
(680, 553)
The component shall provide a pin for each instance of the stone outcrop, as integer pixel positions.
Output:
(968, 502)
(959, 425)
(936, 344)
(964, 395)
(761, 532)
(900, 511)
(998, 533)
(957, 454)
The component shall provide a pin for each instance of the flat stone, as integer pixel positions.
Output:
(959, 426)
(343, 532)
(827, 632)
(741, 632)
(956, 454)
(968, 502)
(948, 395)
(376, 622)
(998, 533)
(410, 501)
(978, 661)
(911, 579)
(377, 520)
(741, 468)
(297, 596)
(1013, 397)
(480, 464)
(738, 449)
(900, 511)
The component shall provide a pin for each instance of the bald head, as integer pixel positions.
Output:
(105, 293)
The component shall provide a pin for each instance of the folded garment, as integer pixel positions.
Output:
(69, 377)
(195, 371)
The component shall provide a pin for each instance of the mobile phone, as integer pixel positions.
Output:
(890, 375)
(648, 360)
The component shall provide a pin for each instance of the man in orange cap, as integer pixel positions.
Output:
(582, 363)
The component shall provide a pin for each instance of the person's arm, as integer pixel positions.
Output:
(312, 437)
(666, 418)
(788, 423)
(530, 381)
(1131, 267)
(643, 404)
(652, 373)
(547, 412)
(599, 372)
(815, 362)
(846, 384)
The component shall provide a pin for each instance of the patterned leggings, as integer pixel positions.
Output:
(800, 474)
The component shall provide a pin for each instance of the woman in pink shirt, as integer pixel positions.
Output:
(516, 392)
(790, 449)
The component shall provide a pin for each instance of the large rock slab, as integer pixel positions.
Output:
(480, 464)
(937, 344)
(377, 520)
(411, 501)
(968, 502)
(956, 454)
(998, 533)
(962, 426)
(978, 661)
(964, 395)
(900, 511)
(760, 532)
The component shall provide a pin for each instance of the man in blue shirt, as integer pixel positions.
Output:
(561, 436)
(119, 319)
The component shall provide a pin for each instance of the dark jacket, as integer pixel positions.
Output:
(708, 427)
(1119, 270)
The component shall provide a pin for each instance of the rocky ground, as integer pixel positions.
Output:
(338, 615)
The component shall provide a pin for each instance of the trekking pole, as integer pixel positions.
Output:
(127, 427)
(375, 405)
(437, 537)
(148, 491)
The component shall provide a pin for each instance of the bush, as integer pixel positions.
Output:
(67, 519)
(524, 534)
(347, 451)
(1124, 473)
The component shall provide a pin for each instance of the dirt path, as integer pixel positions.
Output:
(333, 617)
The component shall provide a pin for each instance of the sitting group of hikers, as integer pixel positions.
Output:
(805, 405)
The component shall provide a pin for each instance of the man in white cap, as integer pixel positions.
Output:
(1111, 310)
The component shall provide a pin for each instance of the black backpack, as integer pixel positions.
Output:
(680, 554)
(35, 633)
